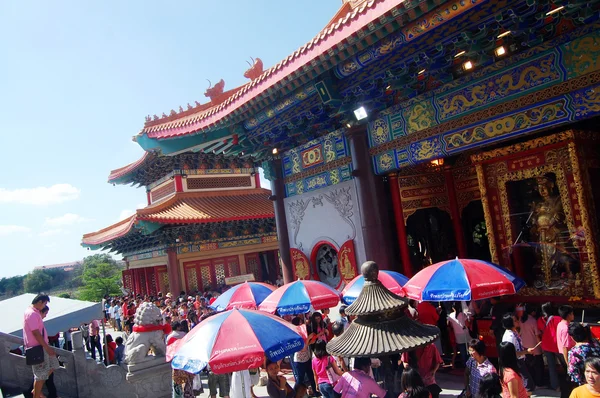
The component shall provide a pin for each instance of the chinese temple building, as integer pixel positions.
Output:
(207, 220)
(410, 132)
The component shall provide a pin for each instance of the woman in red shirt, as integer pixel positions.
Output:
(111, 346)
(508, 370)
(547, 324)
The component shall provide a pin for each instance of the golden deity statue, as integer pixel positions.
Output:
(549, 230)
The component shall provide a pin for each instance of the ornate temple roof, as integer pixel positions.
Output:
(381, 327)
(109, 233)
(217, 206)
(152, 167)
(357, 21)
(189, 208)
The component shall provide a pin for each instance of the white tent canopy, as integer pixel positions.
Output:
(64, 314)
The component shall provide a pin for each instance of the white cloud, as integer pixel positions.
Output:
(66, 219)
(51, 232)
(6, 230)
(125, 214)
(57, 193)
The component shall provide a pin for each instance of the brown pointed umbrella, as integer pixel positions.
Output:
(381, 327)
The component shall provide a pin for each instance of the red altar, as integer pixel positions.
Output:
(539, 211)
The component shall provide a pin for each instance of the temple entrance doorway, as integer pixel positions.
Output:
(430, 237)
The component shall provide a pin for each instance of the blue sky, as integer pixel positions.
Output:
(77, 79)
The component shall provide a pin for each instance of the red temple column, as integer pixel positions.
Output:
(136, 282)
(370, 191)
(146, 278)
(455, 214)
(257, 179)
(173, 272)
(178, 183)
(149, 198)
(278, 188)
(400, 226)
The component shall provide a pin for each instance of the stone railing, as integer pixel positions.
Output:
(83, 377)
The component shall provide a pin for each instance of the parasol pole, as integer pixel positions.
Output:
(243, 384)
(582, 315)
(104, 348)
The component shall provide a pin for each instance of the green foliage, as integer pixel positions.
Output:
(101, 276)
(100, 258)
(12, 286)
(37, 281)
(64, 295)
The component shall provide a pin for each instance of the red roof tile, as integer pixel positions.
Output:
(349, 23)
(109, 233)
(120, 172)
(190, 208)
(214, 206)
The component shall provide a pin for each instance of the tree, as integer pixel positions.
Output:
(12, 286)
(37, 281)
(100, 258)
(101, 277)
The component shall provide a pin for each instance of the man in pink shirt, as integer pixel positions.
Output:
(95, 339)
(357, 383)
(427, 361)
(34, 334)
(563, 340)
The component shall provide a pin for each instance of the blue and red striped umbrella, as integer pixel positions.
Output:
(390, 279)
(462, 280)
(246, 295)
(236, 340)
(297, 298)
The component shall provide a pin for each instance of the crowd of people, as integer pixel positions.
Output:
(542, 347)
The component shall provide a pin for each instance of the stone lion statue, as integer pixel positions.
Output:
(148, 333)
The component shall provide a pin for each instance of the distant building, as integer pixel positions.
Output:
(64, 266)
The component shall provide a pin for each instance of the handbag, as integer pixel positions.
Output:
(331, 375)
(35, 355)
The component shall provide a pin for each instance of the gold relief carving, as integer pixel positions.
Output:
(495, 88)
(427, 149)
(581, 55)
(317, 170)
(385, 162)
(525, 146)
(586, 221)
(380, 131)
(467, 185)
(296, 168)
(431, 201)
(328, 147)
(335, 177)
(419, 116)
(464, 173)
(299, 187)
(489, 222)
(415, 193)
(421, 180)
(420, 169)
(522, 102)
(502, 126)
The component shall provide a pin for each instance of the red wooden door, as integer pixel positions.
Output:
(162, 277)
(233, 266)
(191, 277)
(205, 275)
(253, 265)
